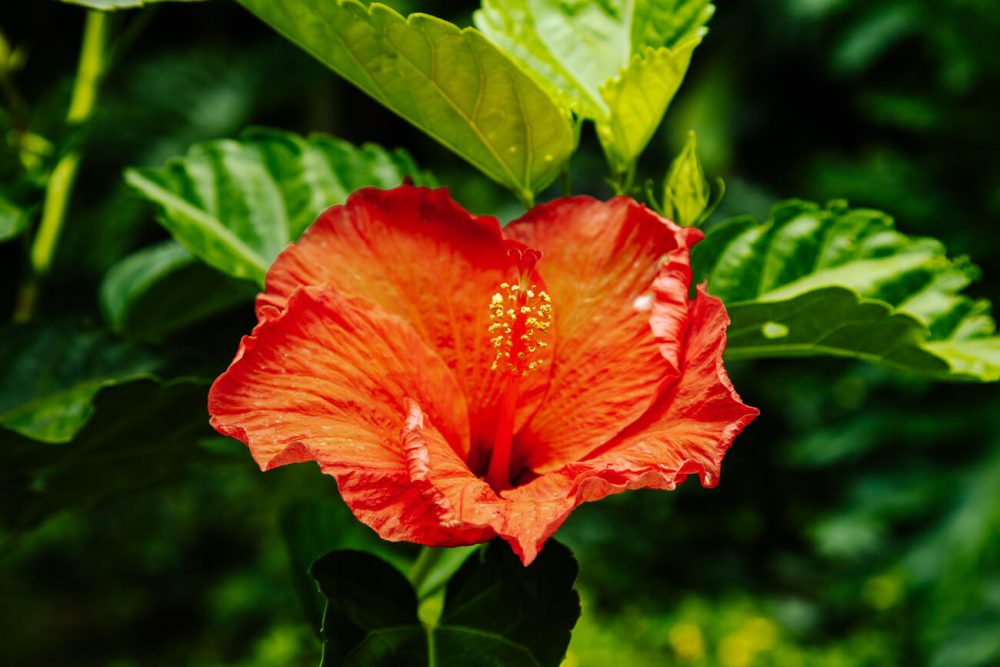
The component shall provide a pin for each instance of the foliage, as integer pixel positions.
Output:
(52, 373)
(856, 523)
(492, 607)
(13, 220)
(686, 191)
(844, 282)
(154, 292)
(618, 64)
(453, 84)
(142, 435)
(237, 203)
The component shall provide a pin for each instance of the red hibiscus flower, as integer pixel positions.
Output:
(462, 381)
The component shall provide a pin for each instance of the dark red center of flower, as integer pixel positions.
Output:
(520, 317)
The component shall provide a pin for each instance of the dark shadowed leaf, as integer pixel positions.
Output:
(141, 435)
(163, 288)
(312, 529)
(49, 375)
(496, 612)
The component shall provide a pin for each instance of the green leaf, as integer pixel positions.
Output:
(141, 435)
(52, 372)
(236, 204)
(844, 282)
(451, 83)
(686, 192)
(110, 5)
(637, 99)
(614, 62)
(161, 289)
(311, 529)
(493, 608)
(13, 220)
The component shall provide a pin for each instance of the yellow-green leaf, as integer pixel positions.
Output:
(637, 99)
(686, 192)
(453, 84)
(615, 62)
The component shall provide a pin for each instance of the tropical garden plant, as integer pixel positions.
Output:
(468, 354)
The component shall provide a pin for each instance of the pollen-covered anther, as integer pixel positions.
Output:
(519, 316)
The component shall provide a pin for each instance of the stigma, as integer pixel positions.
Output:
(520, 317)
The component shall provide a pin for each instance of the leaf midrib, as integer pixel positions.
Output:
(389, 102)
(169, 199)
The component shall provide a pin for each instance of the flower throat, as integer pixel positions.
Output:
(520, 317)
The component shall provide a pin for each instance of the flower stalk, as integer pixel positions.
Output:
(424, 565)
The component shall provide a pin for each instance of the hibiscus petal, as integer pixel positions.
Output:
(419, 255)
(619, 277)
(687, 431)
(334, 379)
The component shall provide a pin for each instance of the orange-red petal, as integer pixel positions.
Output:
(619, 277)
(334, 379)
(419, 255)
(687, 431)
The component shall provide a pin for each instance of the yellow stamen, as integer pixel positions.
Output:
(518, 328)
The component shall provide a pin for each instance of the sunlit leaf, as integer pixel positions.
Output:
(161, 289)
(493, 607)
(451, 83)
(49, 375)
(616, 63)
(844, 282)
(236, 204)
(686, 191)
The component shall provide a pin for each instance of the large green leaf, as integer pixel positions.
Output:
(841, 281)
(161, 289)
(141, 435)
(451, 83)
(616, 62)
(237, 203)
(496, 612)
(50, 374)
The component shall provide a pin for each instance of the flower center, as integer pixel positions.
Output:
(520, 317)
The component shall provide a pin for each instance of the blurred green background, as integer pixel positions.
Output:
(857, 522)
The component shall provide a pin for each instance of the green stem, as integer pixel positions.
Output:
(526, 197)
(60, 186)
(566, 182)
(623, 181)
(424, 565)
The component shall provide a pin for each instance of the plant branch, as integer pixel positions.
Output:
(90, 71)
